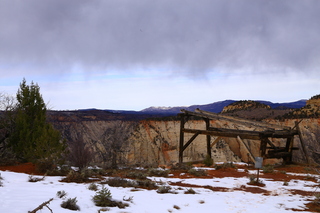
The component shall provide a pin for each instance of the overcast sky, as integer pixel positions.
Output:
(132, 54)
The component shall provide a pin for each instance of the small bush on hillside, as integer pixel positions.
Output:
(71, 204)
(159, 172)
(35, 179)
(148, 184)
(137, 175)
(268, 168)
(198, 172)
(182, 166)
(120, 182)
(76, 176)
(164, 189)
(208, 161)
(254, 181)
(103, 198)
(225, 165)
(61, 194)
(93, 187)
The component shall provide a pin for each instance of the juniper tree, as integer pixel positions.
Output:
(33, 138)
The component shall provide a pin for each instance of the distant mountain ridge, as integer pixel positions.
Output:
(217, 107)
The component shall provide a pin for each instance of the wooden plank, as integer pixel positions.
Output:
(208, 138)
(190, 141)
(241, 120)
(232, 133)
(181, 140)
(263, 146)
(247, 149)
(271, 144)
(215, 141)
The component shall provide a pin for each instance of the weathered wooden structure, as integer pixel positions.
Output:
(265, 132)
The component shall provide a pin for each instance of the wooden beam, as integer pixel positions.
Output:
(215, 141)
(181, 140)
(240, 120)
(263, 146)
(190, 141)
(208, 138)
(247, 149)
(271, 144)
(223, 133)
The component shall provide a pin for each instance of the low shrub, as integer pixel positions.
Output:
(102, 197)
(77, 176)
(35, 179)
(225, 166)
(182, 166)
(164, 189)
(254, 181)
(141, 175)
(208, 161)
(159, 172)
(148, 184)
(268, 168)
(61, 194)
(71, 204)
(197, 172)
(93, 187)
(120, 182)
(45, 165)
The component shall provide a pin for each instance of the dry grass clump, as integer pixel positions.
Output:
(182, 166)
(93, 187)
(164, 189)
(141, 175)
(158, 172)
(197, 172)
(225, 166)
(120, 182)
(268, 168)
(35, 179)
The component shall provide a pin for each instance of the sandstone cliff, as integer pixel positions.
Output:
(157, 142)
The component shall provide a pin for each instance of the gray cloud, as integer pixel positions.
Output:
(186, 36)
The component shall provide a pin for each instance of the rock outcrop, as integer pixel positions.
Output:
(244, 105)
(150, 142)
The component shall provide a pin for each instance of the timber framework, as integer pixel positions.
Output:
(265, 133)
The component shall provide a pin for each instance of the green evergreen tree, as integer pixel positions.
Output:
(34, 139)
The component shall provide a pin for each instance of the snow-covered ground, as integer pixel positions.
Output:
(20, 196)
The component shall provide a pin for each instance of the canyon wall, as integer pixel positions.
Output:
(157, 142)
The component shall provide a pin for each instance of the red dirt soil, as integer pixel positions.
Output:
(28, 168)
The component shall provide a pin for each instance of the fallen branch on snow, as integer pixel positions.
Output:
(41, 206)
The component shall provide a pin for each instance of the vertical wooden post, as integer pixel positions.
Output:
(181, 142)
(289, 146)
(263, 146)
(208, 139)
